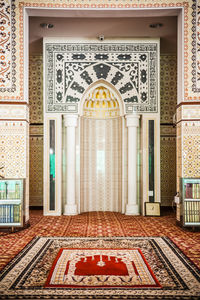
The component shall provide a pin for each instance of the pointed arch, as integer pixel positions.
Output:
(107, 85)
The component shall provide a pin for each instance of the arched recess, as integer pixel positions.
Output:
(107, 85)
(101, 149)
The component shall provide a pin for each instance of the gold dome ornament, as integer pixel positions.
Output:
(101, 104)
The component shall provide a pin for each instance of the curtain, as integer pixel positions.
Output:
(101, 164)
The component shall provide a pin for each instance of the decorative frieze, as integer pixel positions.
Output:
(188, 112)
(14, 112)
(131, 67)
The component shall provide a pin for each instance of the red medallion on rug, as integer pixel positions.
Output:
(101, 268)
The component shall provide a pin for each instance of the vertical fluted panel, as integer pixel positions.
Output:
(101, 164)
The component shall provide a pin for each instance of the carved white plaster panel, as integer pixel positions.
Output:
(14, 112)
(131, 67)
(190, 112)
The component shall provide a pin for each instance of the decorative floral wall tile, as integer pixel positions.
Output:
(196, 46)
(168, 169)
(191, 149)
(7, 48)
(168, 102)
(178, 154)
(36, 88)
(36, 170)
(168, 88)
(13, 146)
(12, 46)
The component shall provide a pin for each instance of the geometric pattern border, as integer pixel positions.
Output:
(196, 46)
(7, 47)
(25, 276)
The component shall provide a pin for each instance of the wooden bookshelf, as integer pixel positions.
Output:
(11, 202)
(190, 200)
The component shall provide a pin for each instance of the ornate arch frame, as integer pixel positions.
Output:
(105, 84)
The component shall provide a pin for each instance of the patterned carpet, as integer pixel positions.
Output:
(100, 268)
(102, 224)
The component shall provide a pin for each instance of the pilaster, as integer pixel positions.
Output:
(70, 122)
(132, 122)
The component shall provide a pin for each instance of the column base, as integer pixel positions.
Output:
(132, 209)
(70, 210)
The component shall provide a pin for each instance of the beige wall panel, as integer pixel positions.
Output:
(13, 147)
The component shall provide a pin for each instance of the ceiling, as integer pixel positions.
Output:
(110, 27)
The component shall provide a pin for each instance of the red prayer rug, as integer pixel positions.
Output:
(101, 268)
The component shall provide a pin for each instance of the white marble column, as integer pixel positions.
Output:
(70, 207)
(132, 122)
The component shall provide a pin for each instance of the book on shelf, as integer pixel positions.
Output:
(188, 190)
(192, 191)
(192, 211)
(16, 213)
(10, 213)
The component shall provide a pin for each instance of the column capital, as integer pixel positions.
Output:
(132, 120)
(70, 120)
